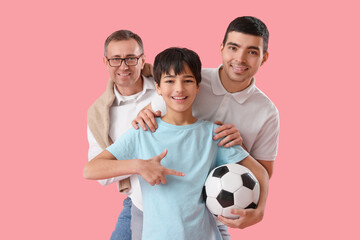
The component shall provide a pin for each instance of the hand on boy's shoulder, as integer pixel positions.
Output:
(146, 117)
(229, 134)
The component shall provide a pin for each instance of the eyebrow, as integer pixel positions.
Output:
(237, 45)
(171, 76)
(129, 55)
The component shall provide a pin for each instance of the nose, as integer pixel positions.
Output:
(123, 65)
(241, 56)
(179, 86)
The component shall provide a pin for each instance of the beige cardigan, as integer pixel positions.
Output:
(98, 120)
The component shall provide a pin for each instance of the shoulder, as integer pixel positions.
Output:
(207, 125)
(105, 100)
(148, 80)
(264, 102)
(208, 73)
(129, 137)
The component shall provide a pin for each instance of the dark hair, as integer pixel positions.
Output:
(249, 25)
(176, 59)
(123, 35)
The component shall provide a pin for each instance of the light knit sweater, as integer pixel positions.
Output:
(98, 120)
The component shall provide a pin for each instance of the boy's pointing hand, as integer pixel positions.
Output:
(153, 172)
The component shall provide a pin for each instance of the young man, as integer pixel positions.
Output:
(174, 209)
(228, 94)
(110, 116)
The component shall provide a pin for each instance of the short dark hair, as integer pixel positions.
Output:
(123, 35)
(249, 25)
(177, 58)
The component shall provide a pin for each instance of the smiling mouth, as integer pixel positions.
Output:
(123, 74)
(179, 98)
(239, 69)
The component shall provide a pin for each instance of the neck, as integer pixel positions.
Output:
(179, 118)
(233, 86)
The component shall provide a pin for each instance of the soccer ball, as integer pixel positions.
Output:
(230, 186)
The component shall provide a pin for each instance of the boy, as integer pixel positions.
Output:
(173, 209)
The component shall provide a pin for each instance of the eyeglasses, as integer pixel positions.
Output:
(129, 61)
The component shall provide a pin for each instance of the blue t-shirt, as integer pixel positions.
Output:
(176, 210)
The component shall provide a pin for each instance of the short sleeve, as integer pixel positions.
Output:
(230, 155)
(158, 104)
(266, 143)
(125, 147)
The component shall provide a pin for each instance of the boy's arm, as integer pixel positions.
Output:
(268, 165)
(94, 150)
(105, 165)
(250, 217)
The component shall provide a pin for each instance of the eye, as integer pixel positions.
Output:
(169, 81)
(131, 59)
(115, 59)
(189, 81)
(232, 48)
(253, 52)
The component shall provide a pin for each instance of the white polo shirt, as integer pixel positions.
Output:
(250, 110)
(122, 112)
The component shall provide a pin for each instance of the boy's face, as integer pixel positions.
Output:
(178, 91)
(242, 56)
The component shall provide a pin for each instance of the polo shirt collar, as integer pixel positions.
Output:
(148, 84)
(240, 97)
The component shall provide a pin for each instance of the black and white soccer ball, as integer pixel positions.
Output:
(231, 186)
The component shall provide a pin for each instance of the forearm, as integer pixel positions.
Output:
(108, 181)
(100, 168)
(262, 176)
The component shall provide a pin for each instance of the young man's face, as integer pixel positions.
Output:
(125, 77)
(242, 55)
(178, 91)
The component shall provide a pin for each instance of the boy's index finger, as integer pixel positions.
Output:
(174, 172)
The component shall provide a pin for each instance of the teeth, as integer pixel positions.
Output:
(123, 75)
(178, 98)
(239, 68)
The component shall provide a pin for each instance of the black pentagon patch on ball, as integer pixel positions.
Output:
(225, 198)
(219, 172)
(248, 181)
(252, 205)
(204, 195)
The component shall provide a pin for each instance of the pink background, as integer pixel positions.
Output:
(51, 71)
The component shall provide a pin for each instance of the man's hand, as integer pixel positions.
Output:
(247, 218)
(153, 172)
(230, 133)
(146, 116)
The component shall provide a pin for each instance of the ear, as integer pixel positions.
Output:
(158, 89)
(265, 58)
(142, 59)
(198, 88)
(105, 61)
(221, 48)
